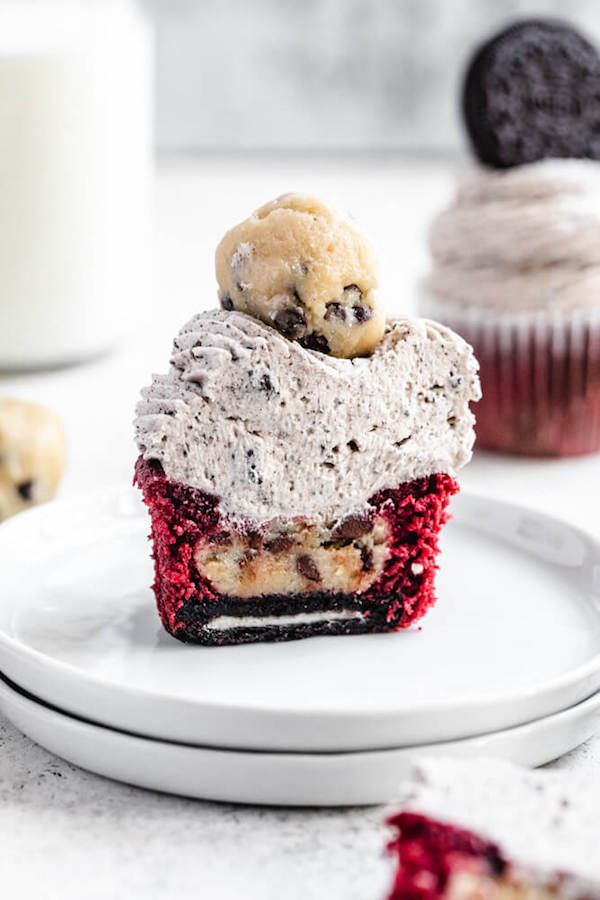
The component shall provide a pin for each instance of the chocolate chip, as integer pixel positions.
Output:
(366, 556)
(335, 310)
(353, 446)
(25, 490)
(226, 302)
(307, 567)
(291, 322)
(316, 342)
(353, 526)
(254, 539)
(280, 543)
(362, 313)
(248, 556)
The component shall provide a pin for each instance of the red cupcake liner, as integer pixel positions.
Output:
(540, 379)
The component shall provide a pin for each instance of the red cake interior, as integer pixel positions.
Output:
(182, 515)
(429, 852)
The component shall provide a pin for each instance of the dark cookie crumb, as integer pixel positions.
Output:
(307, 567)
(266, 384)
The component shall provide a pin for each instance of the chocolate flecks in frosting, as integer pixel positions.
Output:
(232, 413)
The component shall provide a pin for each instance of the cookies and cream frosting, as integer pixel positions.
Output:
(543, 822)
(277, 430)
(526, 238)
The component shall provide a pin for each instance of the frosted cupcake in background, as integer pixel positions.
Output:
(516, 257)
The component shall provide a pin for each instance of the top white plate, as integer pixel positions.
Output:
(515, 636)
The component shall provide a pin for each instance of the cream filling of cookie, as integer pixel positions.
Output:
(304, 558)
(226, 623)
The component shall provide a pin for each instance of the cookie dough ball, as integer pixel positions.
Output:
(300, 267)
(32, 455)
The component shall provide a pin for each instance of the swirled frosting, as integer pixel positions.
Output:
(276, 430)
(519, 239)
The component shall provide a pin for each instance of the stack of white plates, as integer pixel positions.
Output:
(507, 664)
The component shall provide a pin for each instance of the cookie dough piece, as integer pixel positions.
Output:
(32, 455)
(300, 267)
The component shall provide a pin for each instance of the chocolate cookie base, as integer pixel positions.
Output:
(197, 618)
(189, 605)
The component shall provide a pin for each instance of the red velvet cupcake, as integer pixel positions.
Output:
(517, 273)
(298, 457)
(295, 494)
(517, 254)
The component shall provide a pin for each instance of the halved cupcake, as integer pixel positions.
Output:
(489, 830)
(293, 493)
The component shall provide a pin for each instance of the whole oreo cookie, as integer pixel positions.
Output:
(532, 92)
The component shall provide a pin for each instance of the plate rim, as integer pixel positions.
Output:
(363, 777)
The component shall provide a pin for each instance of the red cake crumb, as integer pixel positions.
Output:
(182, 515)
(429, 852)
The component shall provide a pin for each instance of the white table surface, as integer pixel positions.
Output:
(67, 834)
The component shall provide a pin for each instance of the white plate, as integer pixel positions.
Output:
(281, 779)
(515, 636)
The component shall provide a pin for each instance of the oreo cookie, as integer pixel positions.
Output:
(532, 92)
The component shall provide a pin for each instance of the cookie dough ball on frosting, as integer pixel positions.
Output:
(300, 267)
(32, 455)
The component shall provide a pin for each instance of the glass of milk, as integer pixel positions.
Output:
(75, 176)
